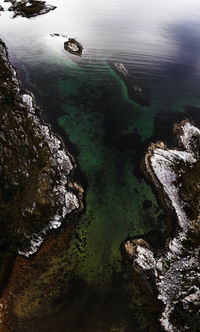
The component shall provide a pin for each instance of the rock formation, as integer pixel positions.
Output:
(177, 269)
(37, 192)
(73, 46)
(29, 8)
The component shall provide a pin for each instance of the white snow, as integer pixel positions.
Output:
(27, 100)
(169, 268)
(145, 258)
(189, 131)
(163, 162)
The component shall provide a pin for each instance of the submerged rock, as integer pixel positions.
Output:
(138, 94)
(30, 8)
(37, 192)
(177, 270)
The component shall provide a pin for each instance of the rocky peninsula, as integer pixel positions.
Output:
(173, 275)
(37, 191)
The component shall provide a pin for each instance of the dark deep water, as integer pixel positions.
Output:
(88, 104)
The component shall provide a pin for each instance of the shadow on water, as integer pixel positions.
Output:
(96, 308)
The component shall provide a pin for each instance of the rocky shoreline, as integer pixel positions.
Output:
(176, 271)
(38, 193)
(36, 169)
(28, 8)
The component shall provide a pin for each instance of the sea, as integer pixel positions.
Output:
(88, 105)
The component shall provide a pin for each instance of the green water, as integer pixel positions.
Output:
(115, 196)
(110, 132)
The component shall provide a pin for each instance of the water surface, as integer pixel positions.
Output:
(88, 104)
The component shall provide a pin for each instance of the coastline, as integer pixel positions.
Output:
(59, 156)
(174, 171)
(64, 195)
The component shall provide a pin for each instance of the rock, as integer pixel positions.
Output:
(121, 68)
(35, 166)
(54, 34)
(177, 270)
(140, 95)
(30, 8)
(73, 46)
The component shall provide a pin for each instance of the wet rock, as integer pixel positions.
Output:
(73, 46)
(177, 269)
(54, 34)
(35, 168)
(30, 8)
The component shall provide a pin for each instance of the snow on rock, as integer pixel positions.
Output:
(63, 164)
(58, 164)
(145, 258)
(188, 135)
(27, 100)
(162, 163)
(177, 271)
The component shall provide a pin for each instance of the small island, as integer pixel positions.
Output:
(37, 191)
(30, 8)
(73, 46)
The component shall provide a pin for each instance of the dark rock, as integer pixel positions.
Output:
(73, 46)
(176, 269)
(30, 8)
(36, 194)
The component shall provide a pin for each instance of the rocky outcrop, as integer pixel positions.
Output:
(73, 46)
(37, 192)
(177, 269)
(30, 8)
(1, 9)
(140, 95)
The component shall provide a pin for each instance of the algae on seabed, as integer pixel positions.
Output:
(96, 114)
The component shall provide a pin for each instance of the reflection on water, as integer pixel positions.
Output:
(159, 44)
